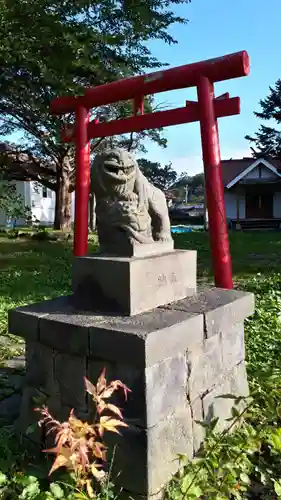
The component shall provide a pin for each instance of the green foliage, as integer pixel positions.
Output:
(42, 234)
(32, 271)
(71, 45)
(79, 450)
(250, 452)
(12, 204)
(264, 330)
(25, 486)
(267, 140)
(79, 445)
(244, 461)
(161, 177)
(241, 462)
(195, 185)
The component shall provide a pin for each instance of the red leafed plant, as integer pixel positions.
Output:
(78, 445)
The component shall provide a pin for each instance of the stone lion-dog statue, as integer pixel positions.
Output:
(129, 209)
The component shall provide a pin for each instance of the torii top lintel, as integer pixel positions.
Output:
(219, 69)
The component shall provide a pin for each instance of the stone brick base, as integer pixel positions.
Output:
(176, 360)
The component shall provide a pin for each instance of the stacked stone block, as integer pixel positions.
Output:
(176, 359)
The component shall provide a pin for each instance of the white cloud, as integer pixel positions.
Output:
(189, 164)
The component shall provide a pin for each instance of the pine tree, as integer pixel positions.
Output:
(267, 140)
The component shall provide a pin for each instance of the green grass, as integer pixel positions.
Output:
(31, 271)
(252, 252)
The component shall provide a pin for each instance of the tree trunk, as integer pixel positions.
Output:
(63, 208)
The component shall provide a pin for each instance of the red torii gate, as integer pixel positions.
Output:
(206, 110)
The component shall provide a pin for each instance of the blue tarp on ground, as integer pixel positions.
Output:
(184, 229)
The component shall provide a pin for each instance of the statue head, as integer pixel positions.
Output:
(114, 172)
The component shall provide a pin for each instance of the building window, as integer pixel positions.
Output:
(44, 192)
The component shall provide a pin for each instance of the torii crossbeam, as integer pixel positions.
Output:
(203, 75)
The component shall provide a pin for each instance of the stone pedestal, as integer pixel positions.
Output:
(132, 285)
(176, 359)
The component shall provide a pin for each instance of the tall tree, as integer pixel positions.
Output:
(194, 184)
(161, 177)
(54, 47)
(267, 140)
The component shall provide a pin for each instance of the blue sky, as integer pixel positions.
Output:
(215, 28)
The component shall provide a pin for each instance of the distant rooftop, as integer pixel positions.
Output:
(233, 167)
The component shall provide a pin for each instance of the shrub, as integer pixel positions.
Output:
(79, 446)
(13, 234)
(12, 203)
(244, 461)
(42, 234)
(79, 450)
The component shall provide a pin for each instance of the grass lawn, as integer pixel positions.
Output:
(32, 271)
(243, 465)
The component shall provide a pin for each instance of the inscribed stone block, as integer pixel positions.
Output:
(147, 282)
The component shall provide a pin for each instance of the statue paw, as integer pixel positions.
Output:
(163, 238)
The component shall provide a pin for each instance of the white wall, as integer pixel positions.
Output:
(43, 208)
(277, 205)
(20, 190)
(266, 173)
(27, 193)
(231, 205)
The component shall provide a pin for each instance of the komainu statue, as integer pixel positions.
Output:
(129, 209)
